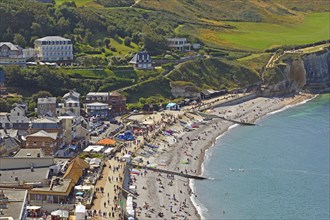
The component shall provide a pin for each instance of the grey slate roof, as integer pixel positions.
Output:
(43, 133)
(10, 45)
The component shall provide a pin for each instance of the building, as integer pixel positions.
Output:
(13, 204)
(60, 188)
(3, 89)
(75, 130)
(46, 106)
(142, 60)
(9, 142)
(15, 119)
(102, 97)
(54, 49)
(179, 44)
(51, 125)
(71, 102)
(98, 109)
(46, 133)
(11, 54)
(50, 143)
(118, 103)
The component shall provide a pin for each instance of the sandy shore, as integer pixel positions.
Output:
(163, 196)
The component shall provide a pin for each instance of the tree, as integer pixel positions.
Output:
(106, 42)
(41, 94)
(99, 43)
(4, 105)
(19, 40)
(88, 37)
(127, 41)
(111, 30)
(36, 29)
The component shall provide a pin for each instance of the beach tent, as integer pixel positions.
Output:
(80, 187)
(95, 161)
(107, 142)
(80, 212)
(171, 106)
(94, 148)
(109, 150)
(63, 214)
(127, 158)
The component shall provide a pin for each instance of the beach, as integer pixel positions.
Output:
(167, 196)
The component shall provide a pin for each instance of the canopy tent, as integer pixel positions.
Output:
(80, 212)
(33, 207)
(106, 141)
(95, 161)
(109, 150)
(94, 148)
(80, 187)
(127, 157)
(61, 213)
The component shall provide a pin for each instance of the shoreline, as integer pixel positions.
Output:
(193, 146)
(300, 101)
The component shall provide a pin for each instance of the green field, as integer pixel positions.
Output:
(260, 36)
(78, 2)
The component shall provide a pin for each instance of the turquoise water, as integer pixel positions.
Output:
(286, 168)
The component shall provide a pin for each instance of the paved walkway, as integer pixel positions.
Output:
(107, 202)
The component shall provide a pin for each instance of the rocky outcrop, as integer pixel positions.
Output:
(317, 67)
(309, 71)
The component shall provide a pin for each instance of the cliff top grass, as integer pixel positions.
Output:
(258, 36)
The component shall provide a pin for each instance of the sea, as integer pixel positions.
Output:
(276, 170)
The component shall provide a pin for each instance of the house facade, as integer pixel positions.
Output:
(102, 97)
(54, 49)
(142, 60)
(97, 109)
(75, 130)
(46, 106)
(11, 54)
(118, 103)
(48, 142)
(71, 102)
(15, 119)
(180, 44)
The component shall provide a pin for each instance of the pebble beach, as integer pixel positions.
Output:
(165, 196)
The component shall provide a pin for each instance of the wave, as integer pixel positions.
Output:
(201, 209)
(208, 151)
(291, 106)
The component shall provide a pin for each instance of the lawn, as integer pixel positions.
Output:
(260, 36)
(121, 48)
(78, 2)
(89, 73)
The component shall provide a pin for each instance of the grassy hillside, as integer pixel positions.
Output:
(215, 73)
(258, 36)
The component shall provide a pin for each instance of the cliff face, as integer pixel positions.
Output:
(310, 71)
(317, 67)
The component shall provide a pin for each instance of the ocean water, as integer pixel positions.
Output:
(286, 168)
